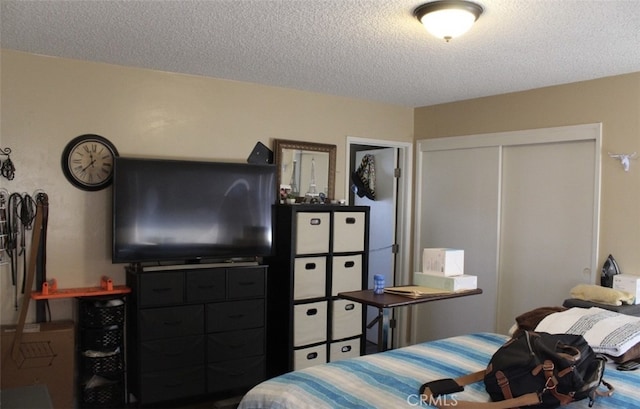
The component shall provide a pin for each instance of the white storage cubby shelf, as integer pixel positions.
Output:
(320, 251)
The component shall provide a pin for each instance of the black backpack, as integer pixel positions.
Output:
(536, 370)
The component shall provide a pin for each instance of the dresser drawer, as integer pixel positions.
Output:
(348, 231)
(245, 282)
(222, 346)
(306, 357)
(235, 315)
(309, 323)
(157, 323)
(237, 373)
(173, 384)
(309, 277)
(346, 274)
(172, 353)
(312, 232)
(206, 285)
(344, 349)
(163, 288)
(347, 319)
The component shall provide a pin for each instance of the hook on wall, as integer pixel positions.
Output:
(624, 158)
(7, 169)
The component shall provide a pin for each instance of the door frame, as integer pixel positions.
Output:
(404, 208)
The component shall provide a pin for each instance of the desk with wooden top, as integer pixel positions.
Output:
(386, 300)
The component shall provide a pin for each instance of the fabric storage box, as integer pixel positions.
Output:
(344, 349)
(347, 319)
(236, 373)
(346, 274)
(172, 353)
(448, 262)
(309, 323)
(306, 357)
(348, 231)
(309, 277)
(312, 232)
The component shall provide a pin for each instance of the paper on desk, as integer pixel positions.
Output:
(415, 291)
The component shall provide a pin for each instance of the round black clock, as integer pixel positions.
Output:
(87, 162)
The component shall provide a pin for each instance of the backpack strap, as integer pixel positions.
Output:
(429, 397)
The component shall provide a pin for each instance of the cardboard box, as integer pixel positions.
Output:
(453, 283)
(447, 262)
(629, 283)
(46, 356)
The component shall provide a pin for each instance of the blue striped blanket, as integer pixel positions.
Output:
(391, 380)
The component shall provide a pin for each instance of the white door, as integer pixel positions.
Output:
(458, 208)
(547, 225)
(382, 227)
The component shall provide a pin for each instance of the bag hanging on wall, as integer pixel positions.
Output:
(533, 370)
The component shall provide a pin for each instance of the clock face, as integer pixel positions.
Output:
(87, 162)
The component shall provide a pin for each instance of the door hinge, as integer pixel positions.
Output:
(397, 172)
(395, 248)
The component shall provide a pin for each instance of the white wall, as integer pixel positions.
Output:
(48, 101)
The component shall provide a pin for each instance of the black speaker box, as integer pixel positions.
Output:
(260, 154)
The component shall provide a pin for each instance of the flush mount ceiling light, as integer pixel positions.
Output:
(448, 18)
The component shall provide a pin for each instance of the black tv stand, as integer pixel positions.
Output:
(195, 330)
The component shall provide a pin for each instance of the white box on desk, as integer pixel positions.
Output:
(444, 261)
(629, 283)
(454, 283)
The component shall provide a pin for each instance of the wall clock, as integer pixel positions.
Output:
(87, 162)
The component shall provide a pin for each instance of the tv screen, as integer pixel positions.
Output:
(188, 211)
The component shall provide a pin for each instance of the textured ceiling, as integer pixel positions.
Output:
(367, 49)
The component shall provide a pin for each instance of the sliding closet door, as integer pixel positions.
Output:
(547, 225)
(458, 203)
(524, 206)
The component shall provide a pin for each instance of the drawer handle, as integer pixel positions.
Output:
(245, 283)
(349, 264)
(206, 287)
(162, 290)
(236, 346)
(312, 355)
(350, 220)
(349, 307)
(172, 323)
(310, 266)
(236, 316)
(345, 348)
(312, 311)
(315, 221)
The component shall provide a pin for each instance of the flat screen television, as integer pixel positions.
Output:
(191, 211)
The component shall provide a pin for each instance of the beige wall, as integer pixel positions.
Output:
(613, 101)
(48, 101)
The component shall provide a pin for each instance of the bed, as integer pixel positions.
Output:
(392, 379)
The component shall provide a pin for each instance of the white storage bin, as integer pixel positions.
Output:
(346, 274)
(312, 232)
(309, 277)
(309, 323)
(344, 349)
(306, 357)
(348, 231)
(347, 319)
